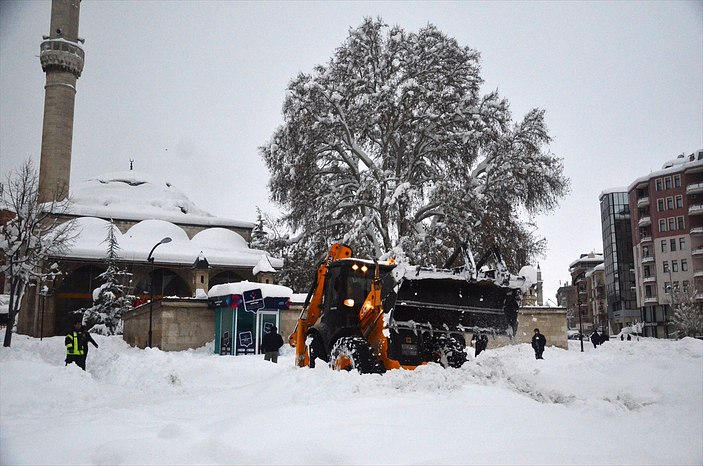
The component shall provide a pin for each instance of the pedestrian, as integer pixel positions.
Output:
(595, 339)
(629, 337)
(77, 344)
(622, 337)
(538, 344)
(270, 344)
(481, 344)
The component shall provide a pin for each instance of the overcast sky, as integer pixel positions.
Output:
(189, 90)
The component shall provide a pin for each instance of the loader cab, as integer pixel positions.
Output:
(347, 284)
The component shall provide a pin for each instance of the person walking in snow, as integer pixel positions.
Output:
(481, 344)
(270, 344)
(538, 344)
(77, 344)
(595, 339)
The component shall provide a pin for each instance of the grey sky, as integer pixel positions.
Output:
(190, 89)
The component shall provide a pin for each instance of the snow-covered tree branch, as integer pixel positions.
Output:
(33, 234)
(390, 146)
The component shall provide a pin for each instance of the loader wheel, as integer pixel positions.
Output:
(448, 351)
(350, 353)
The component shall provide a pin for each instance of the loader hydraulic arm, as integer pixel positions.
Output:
(312, 308)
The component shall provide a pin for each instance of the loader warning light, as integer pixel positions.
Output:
(349, 302)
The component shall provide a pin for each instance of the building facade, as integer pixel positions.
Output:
(620, 297)
(667, 236)
(587, 288)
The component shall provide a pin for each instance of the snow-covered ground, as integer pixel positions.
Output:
(637, 402)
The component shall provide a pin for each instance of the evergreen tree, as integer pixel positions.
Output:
(110, 299)
(391, 149)
(258, 234)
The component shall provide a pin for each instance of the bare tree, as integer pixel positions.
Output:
(32, 235)
(688, 313)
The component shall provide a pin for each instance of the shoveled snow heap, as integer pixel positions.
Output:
(637, 402)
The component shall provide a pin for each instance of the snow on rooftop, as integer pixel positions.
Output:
(619, 189)
(264, 265)
(139, 240)
(132, 195)
(268, 290)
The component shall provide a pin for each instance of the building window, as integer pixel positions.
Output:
(681, 223)
(679, 202)
(667, 182)
(684, 265)
(665, 266)
(682, 244)
(674, 266)
(685, 285)
(647, 272)
(672, 223)
(648, 291)
(667, 287)
(659, 184)
(669, 203)
(672, 242)
(677, 181)
(662, 225)
(660, 205)
(663, 242)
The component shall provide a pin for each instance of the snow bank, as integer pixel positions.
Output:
(635, 402)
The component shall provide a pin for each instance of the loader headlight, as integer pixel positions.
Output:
(349, 302)
(364, 268)
(355, 267)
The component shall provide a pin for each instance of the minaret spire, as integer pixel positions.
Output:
(61, 58)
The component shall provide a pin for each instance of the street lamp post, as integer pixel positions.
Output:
(150, 259)
(578, 303)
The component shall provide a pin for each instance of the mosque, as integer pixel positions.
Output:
(169, 247)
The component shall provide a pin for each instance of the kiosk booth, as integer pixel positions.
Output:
(244, 312)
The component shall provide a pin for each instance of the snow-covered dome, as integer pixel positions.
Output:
(219, 238)
(153, 231)
(91, 235)
(132, 195)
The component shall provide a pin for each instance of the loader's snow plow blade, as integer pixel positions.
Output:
(456, 306)
(431, 315)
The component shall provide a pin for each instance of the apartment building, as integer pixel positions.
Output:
(667, 236)
(589, 290)
(618, 262)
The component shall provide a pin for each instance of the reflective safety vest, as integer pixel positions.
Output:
(72, 346)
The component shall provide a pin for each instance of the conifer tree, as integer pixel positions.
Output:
(110, 299)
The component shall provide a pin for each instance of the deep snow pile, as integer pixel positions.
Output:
(638, 402)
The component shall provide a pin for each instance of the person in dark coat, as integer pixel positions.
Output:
(481, 344)
(538, 344)
(270, 344)
(77, 344)
(595, 339)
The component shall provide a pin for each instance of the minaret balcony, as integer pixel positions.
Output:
(61, 53)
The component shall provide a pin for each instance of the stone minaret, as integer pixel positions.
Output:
(61, 59)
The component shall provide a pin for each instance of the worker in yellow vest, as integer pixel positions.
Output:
(77, 344)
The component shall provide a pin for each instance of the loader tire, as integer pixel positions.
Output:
(354, 353)
(448, 351)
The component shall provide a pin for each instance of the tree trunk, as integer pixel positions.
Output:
(8, 331)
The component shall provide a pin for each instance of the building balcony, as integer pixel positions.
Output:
(694, 188)
(651, 300)
(647, 239)
(698, 274)
(695, 209)
(697, 231)
(647, 220)
(643, 202)
(649, 279)
(698, 252)
(698, 297)
(647, 259)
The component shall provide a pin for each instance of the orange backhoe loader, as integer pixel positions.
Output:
(372, 316)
